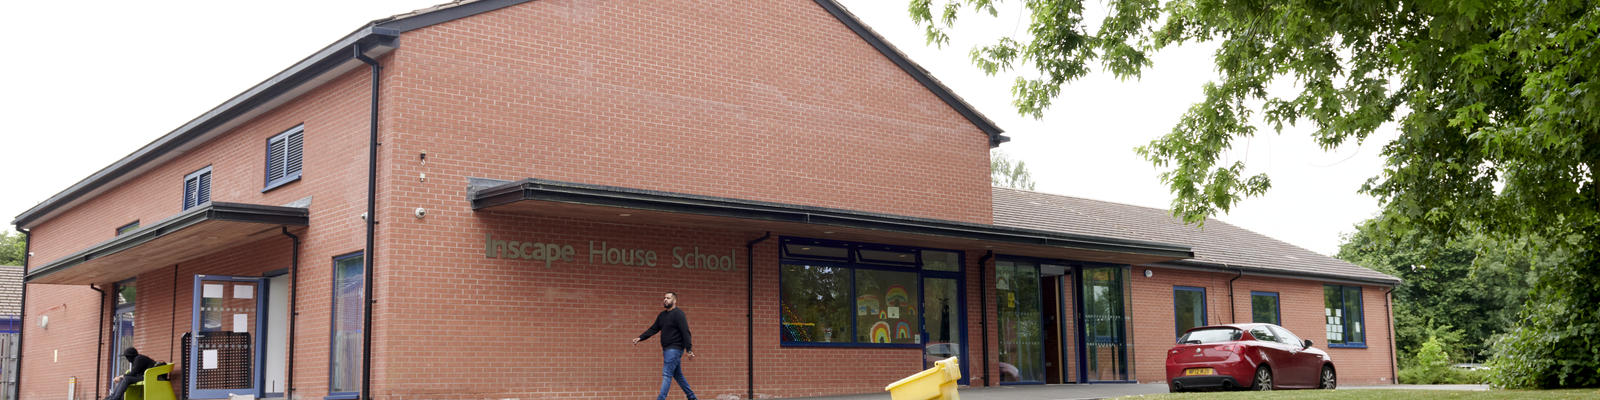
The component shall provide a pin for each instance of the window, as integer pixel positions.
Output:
(841, 293)
(1286, 337)
(941, 260)
(283, 157)
(1264, 307)
(886, 255)
(197, 188)
(122, 317)
(1210, 335)
(816, 303)
(127, 228)
(344, 364)
(1342, 308)
(1189, 307)
(1263, 334)
(885, 312)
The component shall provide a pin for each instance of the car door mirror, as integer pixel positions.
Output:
(1307, 344)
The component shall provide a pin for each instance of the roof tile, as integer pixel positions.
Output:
(1217, 242)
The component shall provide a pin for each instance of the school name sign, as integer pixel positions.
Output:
(601, 253)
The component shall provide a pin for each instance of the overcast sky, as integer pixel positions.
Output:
(84, 84)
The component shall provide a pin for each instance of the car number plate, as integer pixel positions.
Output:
(1200, 371)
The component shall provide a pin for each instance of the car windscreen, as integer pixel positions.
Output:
(1214, 335)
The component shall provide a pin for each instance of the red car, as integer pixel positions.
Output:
(1255, 356)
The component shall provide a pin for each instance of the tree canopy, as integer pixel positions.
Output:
(1461, 293)
(1495, 102)
(1005, 171)
(12, 245)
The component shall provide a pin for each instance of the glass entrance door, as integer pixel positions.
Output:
(227, 335)
(1021, 323)
(942, 322)
(1105, 324)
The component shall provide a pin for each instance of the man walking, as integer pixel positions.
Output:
(674, 328)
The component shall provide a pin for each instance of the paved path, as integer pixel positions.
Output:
(1103, 391)
(1036, 392)
(1476, 388)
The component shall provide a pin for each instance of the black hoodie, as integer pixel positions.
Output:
(674, 328)
(140, 363)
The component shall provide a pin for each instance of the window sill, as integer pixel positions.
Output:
(1348, 346)
(342, 396)
(280, 182)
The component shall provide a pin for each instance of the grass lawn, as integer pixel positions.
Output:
(1368, 394)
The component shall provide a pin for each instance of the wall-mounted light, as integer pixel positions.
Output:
(1147, 273)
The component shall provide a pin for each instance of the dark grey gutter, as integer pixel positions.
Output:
(214, 211)
(916, 72)
(576, 193)
(1219, 267)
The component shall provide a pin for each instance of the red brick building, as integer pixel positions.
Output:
(541, 171)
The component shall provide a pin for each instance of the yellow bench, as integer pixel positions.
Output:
(155, 386)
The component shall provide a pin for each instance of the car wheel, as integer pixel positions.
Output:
(1171, 388)
(1329, 380)
(1263, 379)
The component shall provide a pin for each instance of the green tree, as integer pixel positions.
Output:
(1461, 293)
(1496, 104)
(1006, 172)
(12, 247)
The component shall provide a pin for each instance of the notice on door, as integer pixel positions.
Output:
(241, 323)
(244, 291)
(212, 291)
(208, 359)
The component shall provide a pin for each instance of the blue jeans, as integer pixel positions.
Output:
(671, 370)
(122, 386)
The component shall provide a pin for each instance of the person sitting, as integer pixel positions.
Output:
(134, 375)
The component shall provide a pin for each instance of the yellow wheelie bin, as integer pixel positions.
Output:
(938, 383)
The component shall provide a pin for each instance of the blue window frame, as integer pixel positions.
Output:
(877, 289)
(1188, 308)
(126, 293)
(1342, 310)
(349, 296)
(1264, 308)
(197, 188)
(234, 349)
(284, 157)
(847, 294)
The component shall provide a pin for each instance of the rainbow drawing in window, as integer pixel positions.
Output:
(902, 331)
(898, 297)
(880, 332)
(868, 305)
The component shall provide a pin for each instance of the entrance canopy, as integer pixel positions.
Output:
(201, 230)
(625, 205)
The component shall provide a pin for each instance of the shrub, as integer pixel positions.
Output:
(1432, 366)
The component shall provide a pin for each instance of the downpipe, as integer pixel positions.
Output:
(749, 313)
(294, 284)
(372, 223)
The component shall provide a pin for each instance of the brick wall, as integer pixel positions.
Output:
(334, 176)
(1300, 305)
(774, 101)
